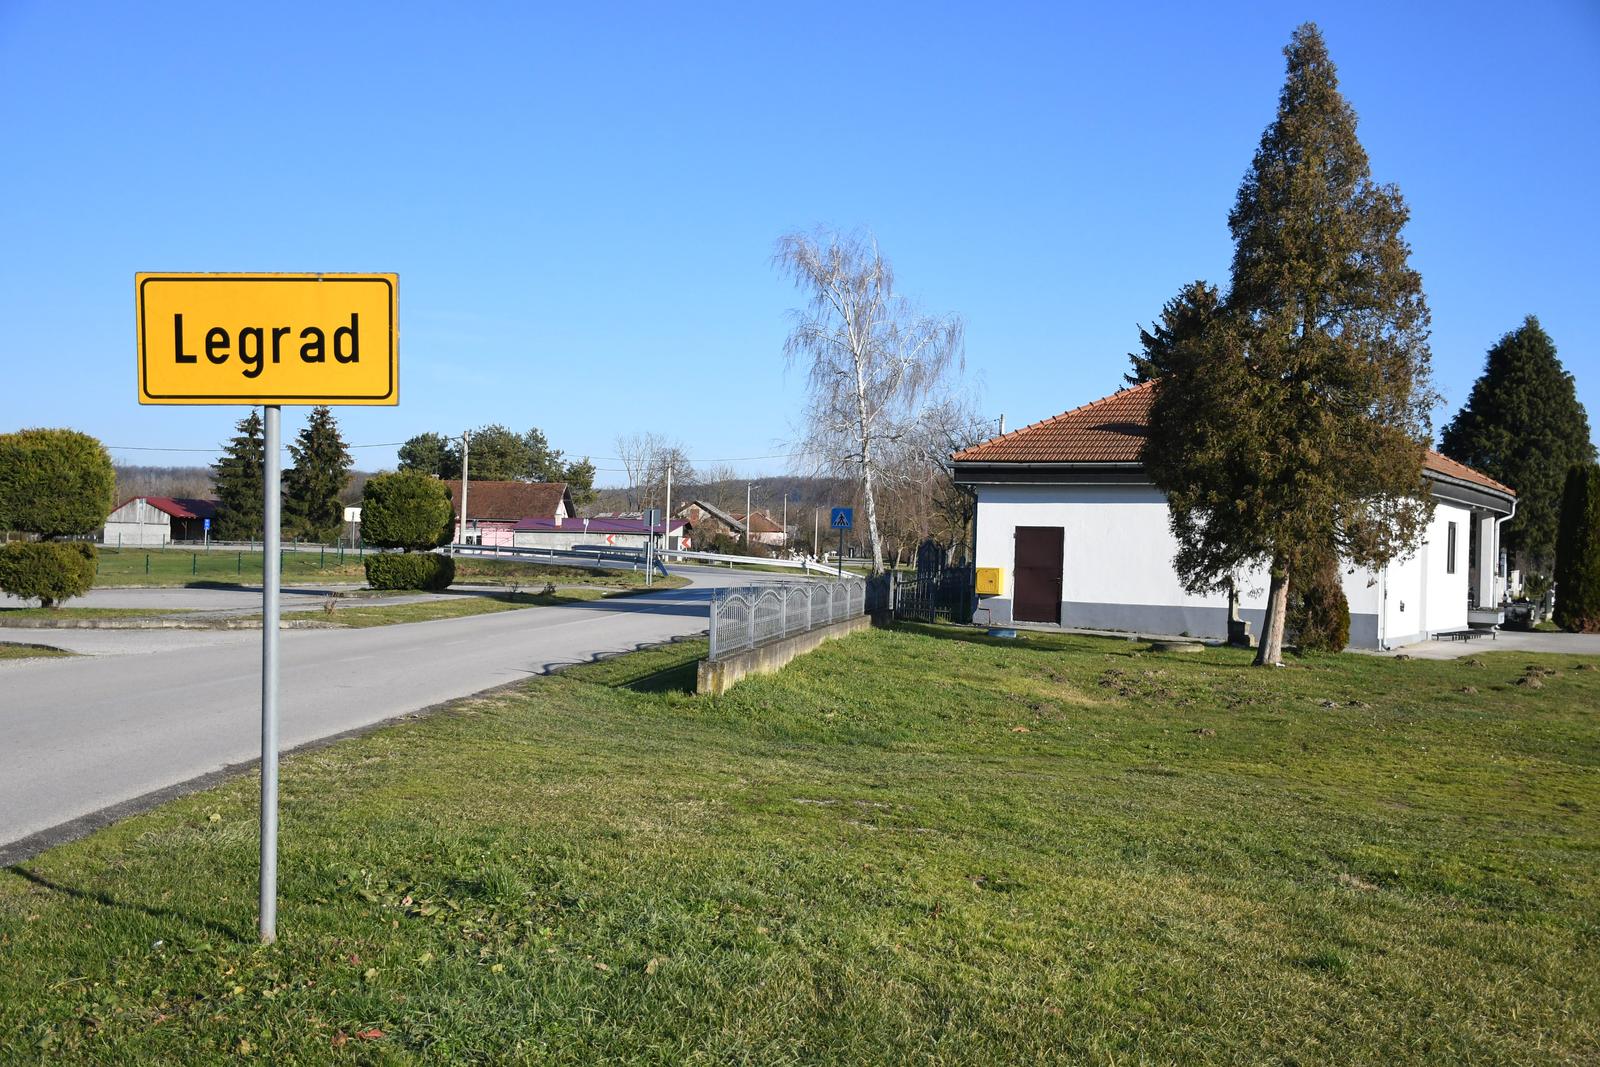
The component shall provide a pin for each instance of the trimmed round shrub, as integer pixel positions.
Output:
(55, 483)
(410, 570)
(50, 571)
(406, 509)
(1319, 614)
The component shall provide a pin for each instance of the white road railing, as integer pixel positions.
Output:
(746, 617)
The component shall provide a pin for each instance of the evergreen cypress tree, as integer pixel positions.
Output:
(1294, 428)
(311, 487)
(1183, 318)
(237, 478)
(1523, 425)
(1578, 552)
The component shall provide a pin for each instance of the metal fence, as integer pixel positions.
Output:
(747, 616)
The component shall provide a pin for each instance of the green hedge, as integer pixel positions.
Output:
(1578, 552)
(50, 571)
(410, 570)
(406, 509)
(55, 483)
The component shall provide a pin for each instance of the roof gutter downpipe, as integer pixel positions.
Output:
(1505, 578)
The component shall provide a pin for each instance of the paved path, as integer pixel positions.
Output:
(149, 710)
(1504, 641)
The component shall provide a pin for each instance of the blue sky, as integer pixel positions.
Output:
(581, 200)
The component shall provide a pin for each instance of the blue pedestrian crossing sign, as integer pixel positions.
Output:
(206, 524)
(842, 519)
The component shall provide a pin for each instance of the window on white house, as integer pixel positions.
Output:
(1450, 549)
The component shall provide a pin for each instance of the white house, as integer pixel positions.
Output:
(610, 531)
(157, 520)
(1080, 538)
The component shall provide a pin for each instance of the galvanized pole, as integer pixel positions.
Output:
(462, 539)
(271, 573)
(666, 536)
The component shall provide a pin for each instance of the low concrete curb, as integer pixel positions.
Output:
(718, 677)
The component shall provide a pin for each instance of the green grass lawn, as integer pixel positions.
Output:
(360, 614)
(16, 650)
(86, 613)
(919, 845)
(178, 567)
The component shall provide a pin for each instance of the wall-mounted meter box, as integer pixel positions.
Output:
(991, 581)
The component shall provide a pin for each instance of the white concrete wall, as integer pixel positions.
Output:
(576, 538)
(1421, 596)
(1117, 571)
(137, 523)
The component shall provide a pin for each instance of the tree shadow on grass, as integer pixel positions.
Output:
(95, 896)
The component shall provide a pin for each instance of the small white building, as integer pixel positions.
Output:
(1081, 540)
(604, 532)
(157, 520)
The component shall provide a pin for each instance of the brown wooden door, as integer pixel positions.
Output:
(1037, 574)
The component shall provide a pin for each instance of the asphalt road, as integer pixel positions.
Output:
(86, 739)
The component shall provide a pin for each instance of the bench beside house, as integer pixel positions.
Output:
(1080, 535)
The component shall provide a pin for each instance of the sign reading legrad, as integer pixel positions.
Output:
(268, 338)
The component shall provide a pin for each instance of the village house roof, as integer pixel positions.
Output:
(178, 507)
(761, 524)
(511, 501)
(726, 518)
(1113, 430)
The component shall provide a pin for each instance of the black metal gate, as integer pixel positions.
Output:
(937, 592)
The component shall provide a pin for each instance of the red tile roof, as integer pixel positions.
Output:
(179, 507)
(510, 501)
(761, 524)
(1112, 430)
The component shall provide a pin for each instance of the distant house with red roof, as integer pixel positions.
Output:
(1080, 537)
(158, 520)
(495, 508)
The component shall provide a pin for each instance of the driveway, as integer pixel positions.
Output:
(1503, 641)
(87, 739)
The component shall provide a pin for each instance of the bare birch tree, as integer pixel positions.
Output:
(871, 357)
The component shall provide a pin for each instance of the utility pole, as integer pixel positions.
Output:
(816, 533)
(786, 520)
(666, 536)
(747, 517)
(466, 436)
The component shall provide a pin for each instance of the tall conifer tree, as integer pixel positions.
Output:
(1183, 319)
(311, 487)
(1294, 428)
(1523, 425)
(237, 478)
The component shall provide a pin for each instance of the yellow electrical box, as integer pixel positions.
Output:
(991, 581)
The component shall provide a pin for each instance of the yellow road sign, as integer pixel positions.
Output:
(268, 338)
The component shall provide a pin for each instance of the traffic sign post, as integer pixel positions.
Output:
(267, 340)
(842, 519)
(205, 532)
(652, 516)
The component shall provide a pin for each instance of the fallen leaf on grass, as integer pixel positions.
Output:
(653, 966)
(373, 1034)
(1021, 730)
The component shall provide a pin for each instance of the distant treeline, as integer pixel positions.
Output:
(196, 482)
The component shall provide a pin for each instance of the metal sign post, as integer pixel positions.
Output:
(270, 577)
(328, 339)
(652, 516)
(205, 532)
(842, 519)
